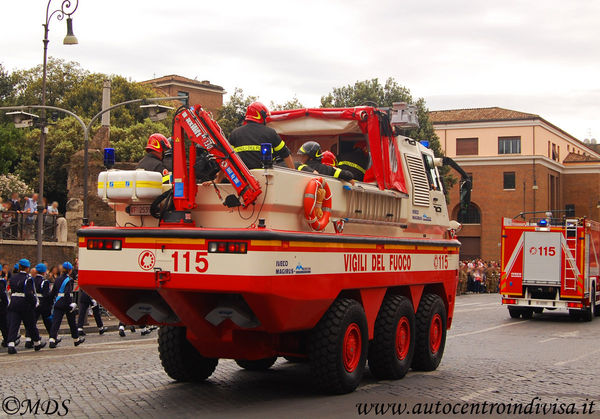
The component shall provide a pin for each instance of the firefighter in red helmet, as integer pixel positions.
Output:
(153, 160)
(246, 139)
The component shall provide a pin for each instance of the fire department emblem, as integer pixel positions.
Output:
(532, 250)
(146, 260)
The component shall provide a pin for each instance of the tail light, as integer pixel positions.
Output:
(571, 304)
(509, 301)
(104, 244)
(227, 247)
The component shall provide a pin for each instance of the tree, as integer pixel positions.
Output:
(371, 92)
(129, 142)
(293, 103)
(10, 184)
(233, 112)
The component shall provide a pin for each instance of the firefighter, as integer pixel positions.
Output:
(3, 307)
(22, 307)
(310, 155)
(85, 301)
(44, 307)
(64, 305)
(153, 160)
(246, 140)
(355, 161)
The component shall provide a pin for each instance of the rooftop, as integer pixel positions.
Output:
(174, 78)
(479, 114)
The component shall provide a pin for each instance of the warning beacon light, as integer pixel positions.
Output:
(109, 157)
(543, 223)
(266, 155)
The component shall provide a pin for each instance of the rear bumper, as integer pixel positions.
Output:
(540, 303)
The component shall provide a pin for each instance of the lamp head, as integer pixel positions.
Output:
(70, 39)
(23, 119)
(157, 112)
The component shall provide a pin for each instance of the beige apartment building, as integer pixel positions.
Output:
(520, 163)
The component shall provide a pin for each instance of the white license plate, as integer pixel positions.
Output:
(139, 210)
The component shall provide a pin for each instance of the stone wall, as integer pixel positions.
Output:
(53, 253)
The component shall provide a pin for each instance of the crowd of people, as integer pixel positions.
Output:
(19, 214)
(28, 294)
(478, 276)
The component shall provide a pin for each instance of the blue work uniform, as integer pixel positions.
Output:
(62, 294)
(3, 312)
(22, 307)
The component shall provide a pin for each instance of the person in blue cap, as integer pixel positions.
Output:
(3, 307)
(22, 307)
(44, 308)
(62, 294)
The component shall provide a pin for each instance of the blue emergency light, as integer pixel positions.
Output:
(424, 143)
(543, 223)
(266, 155)
(109, 157)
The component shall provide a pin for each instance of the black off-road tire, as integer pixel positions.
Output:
(575, 314)
(180, 360)
(515, 313)
(257, 364)
(527, 313)
(389, 358)
(595, 308)
(329, 341)
(427, 357)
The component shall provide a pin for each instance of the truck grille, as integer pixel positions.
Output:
(418, 177)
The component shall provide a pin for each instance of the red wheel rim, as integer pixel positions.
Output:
(435, 333)
(402, 338)
(352, 347)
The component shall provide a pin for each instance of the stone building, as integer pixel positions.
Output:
(210, 96)
(520, 163)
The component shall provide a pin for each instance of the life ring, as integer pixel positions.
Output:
(317, 203)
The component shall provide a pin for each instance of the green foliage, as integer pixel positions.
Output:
(129, 142)
(367, 92)
(9, 140)
(232, 113)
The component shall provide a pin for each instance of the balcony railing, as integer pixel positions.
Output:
(23, 226)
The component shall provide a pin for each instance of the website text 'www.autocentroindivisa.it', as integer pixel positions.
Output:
(535, 407)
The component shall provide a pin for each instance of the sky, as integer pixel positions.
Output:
(530, 56)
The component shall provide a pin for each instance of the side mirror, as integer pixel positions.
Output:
(465, 193)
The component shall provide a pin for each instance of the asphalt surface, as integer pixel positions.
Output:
(550, 361)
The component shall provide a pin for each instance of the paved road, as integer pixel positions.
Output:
(489, 358)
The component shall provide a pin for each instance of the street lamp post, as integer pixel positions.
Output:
(67, 8)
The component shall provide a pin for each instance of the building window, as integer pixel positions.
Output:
(470, 216)
(509, 180)
(467, 146)
(509, 145)
(185, 95)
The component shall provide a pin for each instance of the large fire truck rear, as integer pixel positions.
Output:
(551, 264)
(278, 262)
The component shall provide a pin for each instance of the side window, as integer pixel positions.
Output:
(392, 152)
(432, 175)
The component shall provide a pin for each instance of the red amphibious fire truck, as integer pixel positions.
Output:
(550, 263)
(279, 262)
